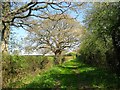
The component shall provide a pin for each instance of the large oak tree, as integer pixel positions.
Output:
(57, 35)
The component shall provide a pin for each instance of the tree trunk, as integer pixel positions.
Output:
(5, 40)
(57, 58)
(116, 44)
(6, 28)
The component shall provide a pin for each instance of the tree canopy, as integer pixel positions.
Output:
(57, 35)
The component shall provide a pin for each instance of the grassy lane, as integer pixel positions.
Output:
(73, 75)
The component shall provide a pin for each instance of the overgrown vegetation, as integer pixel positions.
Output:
(20, 70)
(96, 65)
(72, 74)
(16, 68)
(101, 45)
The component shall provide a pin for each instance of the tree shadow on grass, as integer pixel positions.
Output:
(89, 79)
(99, 78)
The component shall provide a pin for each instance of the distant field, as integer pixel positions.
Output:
(50, 57)
(66, 57)
(69, 57)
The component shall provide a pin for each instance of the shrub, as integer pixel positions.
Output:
(16, 67)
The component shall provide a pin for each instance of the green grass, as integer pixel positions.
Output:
(73, 75)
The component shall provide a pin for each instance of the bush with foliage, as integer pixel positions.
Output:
(16, 67)
(101, 46)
